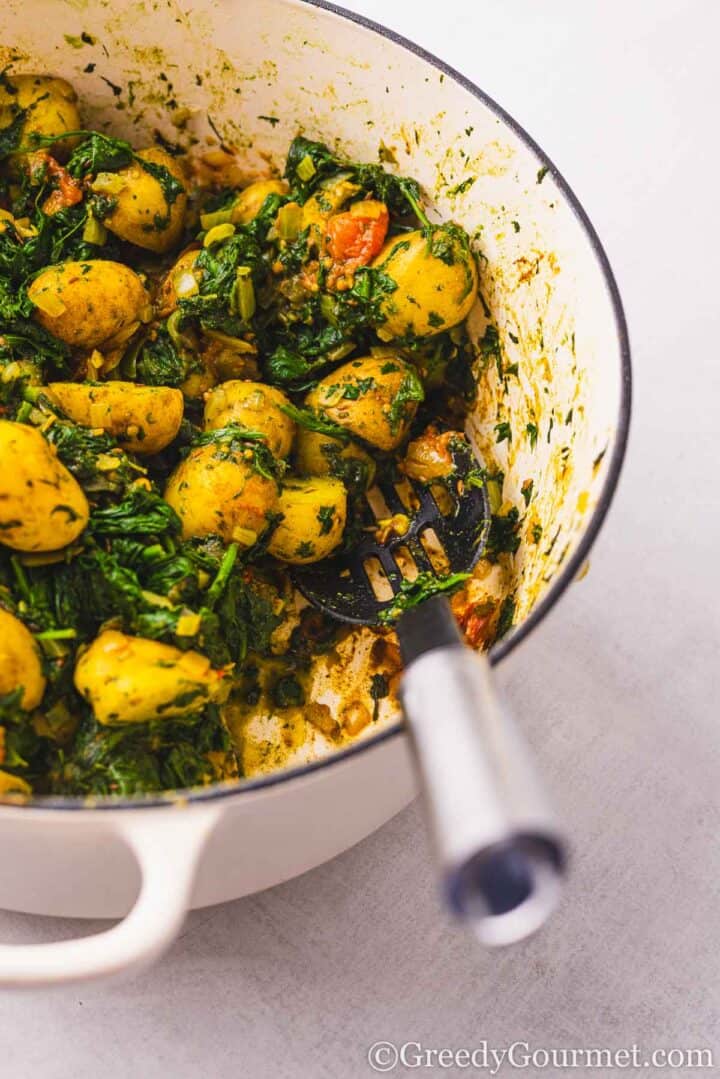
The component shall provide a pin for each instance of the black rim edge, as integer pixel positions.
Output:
(566, 574)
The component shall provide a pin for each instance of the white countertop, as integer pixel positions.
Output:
(619, 688)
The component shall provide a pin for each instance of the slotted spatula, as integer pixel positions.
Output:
(499, 853)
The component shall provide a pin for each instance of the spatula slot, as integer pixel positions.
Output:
(408, 496)
(443, 499)
(378, 505)
(434, 550)
(406, 563)
(377, 577)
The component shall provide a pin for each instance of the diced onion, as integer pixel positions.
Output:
(306, 168)
(235, 343)
(108, 183)
(289, 221)
(185, 285)
(244, 293)
(188, 624)
(94, 231)
(218, 217)
(218, 233)
(48, 302)
(244, 536)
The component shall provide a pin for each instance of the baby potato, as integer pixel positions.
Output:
(375, 398)
(52, 109)
(217, 489)
(42, 507)
(20, 661)
(145, 419)
(436, 280)
(143, 214)
(314, 514)
(249, 202)
(317, 454)
(252, 405)
(90, 304)
(134, 680)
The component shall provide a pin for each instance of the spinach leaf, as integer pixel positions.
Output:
(414, 592)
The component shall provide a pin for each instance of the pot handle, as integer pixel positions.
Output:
(167, 845)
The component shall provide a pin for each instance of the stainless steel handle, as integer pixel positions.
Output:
(499, 849)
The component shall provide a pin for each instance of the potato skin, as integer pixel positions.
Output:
(142, 214)
(249, 202)
(20, 661)
(42, 507)
(134, 680)
(217, 490)
(104, 302)
(314, 515)
(363, 396)
(315, 453)
(52, 105)
(255, 406)
(431, 296)
(144, 419)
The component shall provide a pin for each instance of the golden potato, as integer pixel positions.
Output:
(90, 304)
(144, 213)
(249, 202)
(134, 680)
(144, 419)
(255, 406)
(20, 661)
(217, 489)
(52, 109)
(317, 454)
(375, 398)
(183, 276)
(42, 507)
(314, 514)
(436, 280)
(10, 784)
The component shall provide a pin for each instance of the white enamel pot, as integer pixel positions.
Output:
(286, 65)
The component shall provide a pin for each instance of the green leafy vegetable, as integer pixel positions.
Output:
(412, 593)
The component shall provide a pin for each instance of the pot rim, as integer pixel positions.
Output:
(562, 579)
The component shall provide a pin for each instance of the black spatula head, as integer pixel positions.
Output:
(347, 587)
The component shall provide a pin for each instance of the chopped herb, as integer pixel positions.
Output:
(506, 617)
(379, 689)
(312, 421)
(490, 349)
(503, 536)
(532, 433)
(409, 392)
(503, 432)
(287, 692)
(461, 188)
(326, 517)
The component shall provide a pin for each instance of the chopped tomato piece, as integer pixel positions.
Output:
(476, 621)
(68, 191)
(357, 236)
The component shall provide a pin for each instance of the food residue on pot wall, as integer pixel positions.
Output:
(535, 426)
